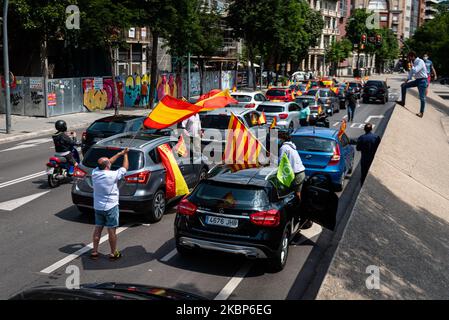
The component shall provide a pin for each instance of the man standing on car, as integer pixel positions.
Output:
(289, 148)
(419, 71)
(367, 144)
(106, 201)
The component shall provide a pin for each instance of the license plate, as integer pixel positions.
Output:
(223, 222)
(50, 170)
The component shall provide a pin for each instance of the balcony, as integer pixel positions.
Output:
(330, 13)
(330, 31)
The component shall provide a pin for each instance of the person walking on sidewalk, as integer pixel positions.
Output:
(431, 72)
(367, 144)
(419, 71)
(106, 201)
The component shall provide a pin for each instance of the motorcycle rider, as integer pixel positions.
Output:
(64, 144)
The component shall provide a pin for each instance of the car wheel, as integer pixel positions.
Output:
(382, 101)
(52, 181)
(158, 205)
(278, 261)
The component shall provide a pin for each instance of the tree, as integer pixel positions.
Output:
(387, 50)
(337, 52)
(355, 29)
(433, 38)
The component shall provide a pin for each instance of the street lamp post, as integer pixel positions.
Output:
(188, 76)
(6, 67)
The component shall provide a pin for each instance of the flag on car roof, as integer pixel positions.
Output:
(169, 111)
(317, 95)
(308, 86)
(273, 123)
(285, 173)
(180, 148)
(215, 99)
(174, 181)
(262, 119)
(242, 149)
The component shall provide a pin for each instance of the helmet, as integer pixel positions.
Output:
(60, 125)
(305, 104)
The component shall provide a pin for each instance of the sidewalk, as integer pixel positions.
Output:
(29, 127)
(400, 222)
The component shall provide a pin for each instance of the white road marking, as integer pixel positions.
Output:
(55, 266)
(170, 255)
(28, 144)
(16, 203)
(373, 117)
(25, 178)
(308, 234)
(226, 292)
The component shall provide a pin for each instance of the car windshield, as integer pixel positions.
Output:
(215, 121)
(373, 84)
(230, 196)
(323, 93)
(353, 84)
(270, 108)
(301, 100)
(241, 98)
(314, 144)
(92, 156)
(276, 93)
(103, 126)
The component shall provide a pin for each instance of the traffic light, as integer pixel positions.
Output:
(378, 39)
(363, 39)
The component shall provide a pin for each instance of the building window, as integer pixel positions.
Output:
(377, 5)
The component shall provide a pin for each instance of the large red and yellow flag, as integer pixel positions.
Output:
(168, 112)
(242, 148)
(308, 86)
(174, 181)
(262, 119)
(215, 99)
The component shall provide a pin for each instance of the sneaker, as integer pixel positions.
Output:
(400, 103)
(420, 114)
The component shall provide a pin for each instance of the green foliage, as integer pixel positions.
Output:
(433, 38)
(338, 51)
(389, 49)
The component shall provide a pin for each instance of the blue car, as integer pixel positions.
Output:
(322, 151)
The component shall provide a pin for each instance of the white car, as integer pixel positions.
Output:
(250, 100)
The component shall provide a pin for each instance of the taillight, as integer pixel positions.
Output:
(141, 177)
(79, 173)
(335, 157)
(269, 218)
(250, 105)
(186, 208)
(84, 136)
(283, 116)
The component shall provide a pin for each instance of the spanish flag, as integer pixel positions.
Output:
(273, 123)
(342, 128)
(215, 99)
(174, 181)
(308, 86)
(180, 148)
(317, 95)
(168, 112)
(242, 148)
(262, 119)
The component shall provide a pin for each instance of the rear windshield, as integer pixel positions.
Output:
(270, 108)
(92, 156)
(236, 197)
(314, 144)
(116, 127)
(241, 98)
(353, 84)
(276, 93)
(215, 121)
(301, 100)
(323, 93)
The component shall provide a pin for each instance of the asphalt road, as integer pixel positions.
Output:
(42, 233)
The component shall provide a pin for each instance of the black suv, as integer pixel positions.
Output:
(109, 126)
(249, 212)
(375, 90)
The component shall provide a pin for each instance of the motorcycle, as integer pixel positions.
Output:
(59, 170)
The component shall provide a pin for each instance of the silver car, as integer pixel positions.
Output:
(250, 99)
(286, 113)
(143, 188)
(329, 99)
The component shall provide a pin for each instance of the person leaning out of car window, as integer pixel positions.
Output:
(304, 114)
(289, 148)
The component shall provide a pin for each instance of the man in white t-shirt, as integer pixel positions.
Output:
(192, 125)
(106, 196)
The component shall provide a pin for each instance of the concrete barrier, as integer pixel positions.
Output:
(396, 242)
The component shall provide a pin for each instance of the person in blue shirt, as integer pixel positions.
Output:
(304, 114)
(367, 144)
(431, 73)
(419, 71)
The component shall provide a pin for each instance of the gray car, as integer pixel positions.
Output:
(287, 113)
(143, 188)
(329, 100)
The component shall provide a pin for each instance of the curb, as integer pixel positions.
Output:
(436, 102)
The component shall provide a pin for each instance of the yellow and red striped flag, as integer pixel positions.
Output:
(168, 112)
(215, 99)
(262, 119)
(273, 123)
(242, 148)
(342, 128)
(308, 86)
(174, 181)
(180, 148)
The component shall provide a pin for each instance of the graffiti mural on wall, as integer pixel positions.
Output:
(97, 98)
